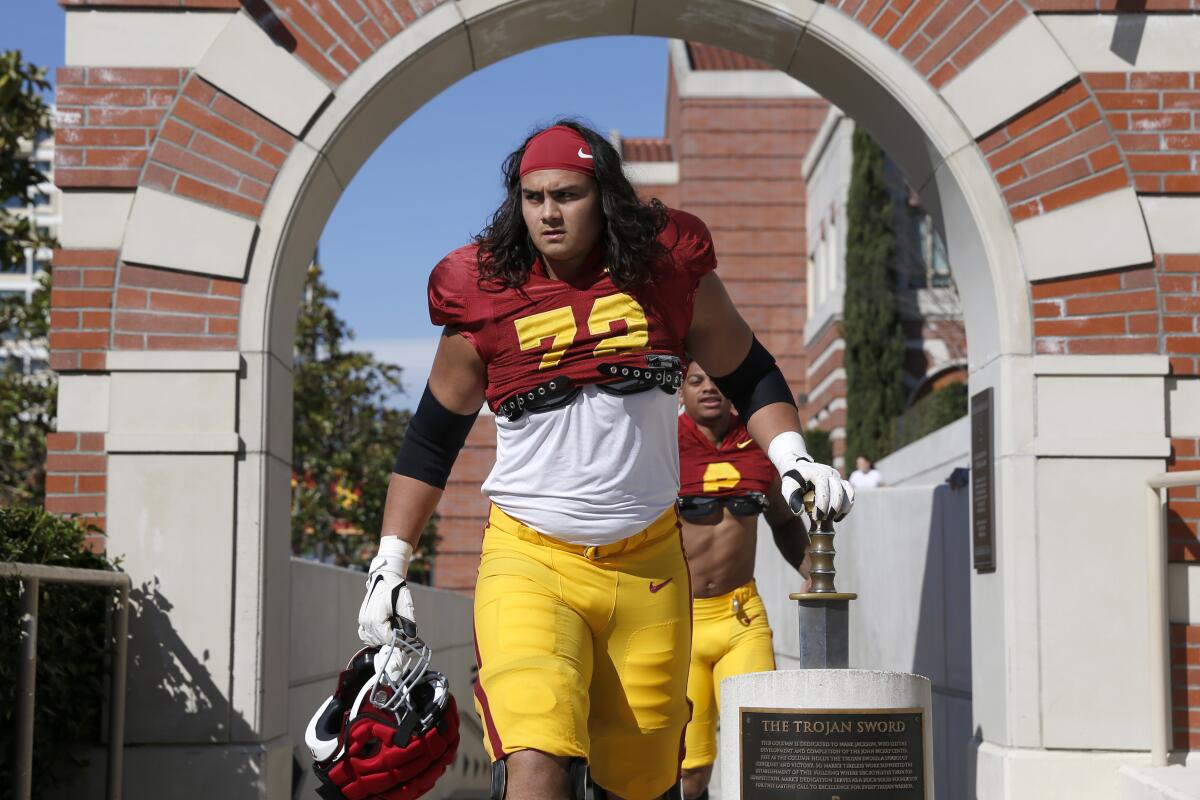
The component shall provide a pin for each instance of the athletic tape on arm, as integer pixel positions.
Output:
(435, 435)
(756, 382)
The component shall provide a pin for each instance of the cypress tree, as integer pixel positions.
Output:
(874, 355)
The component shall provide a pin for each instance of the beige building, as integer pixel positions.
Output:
(927, 300)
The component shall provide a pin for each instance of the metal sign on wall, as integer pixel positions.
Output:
(983, 485)
(820, 754)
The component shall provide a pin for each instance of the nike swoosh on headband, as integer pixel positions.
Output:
(582, 154)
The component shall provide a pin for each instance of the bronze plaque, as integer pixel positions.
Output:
(983, 486)
(835, 754)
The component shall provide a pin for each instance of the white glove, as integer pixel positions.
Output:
(832, 496)
(388, 603)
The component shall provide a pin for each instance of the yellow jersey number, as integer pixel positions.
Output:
(720, 475)
(558, 326)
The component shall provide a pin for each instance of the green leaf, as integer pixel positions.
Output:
(71, 679)
(871, 329)
(345, 438)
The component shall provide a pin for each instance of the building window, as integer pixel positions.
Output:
(14, 269)
(939, 262)
(819, 271)
(922, 257)
(832, 279)
(811, 284)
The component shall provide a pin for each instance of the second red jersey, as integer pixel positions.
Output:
(735, 465)
(548, 328)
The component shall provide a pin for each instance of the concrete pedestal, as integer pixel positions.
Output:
(817, 689)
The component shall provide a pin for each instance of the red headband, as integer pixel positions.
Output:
(559, 147)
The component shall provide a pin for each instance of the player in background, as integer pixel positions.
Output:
(726, 482)
(569, 316)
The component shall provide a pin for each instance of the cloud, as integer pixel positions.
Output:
(414, 355)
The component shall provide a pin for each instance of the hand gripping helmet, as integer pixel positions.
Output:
(390, 728)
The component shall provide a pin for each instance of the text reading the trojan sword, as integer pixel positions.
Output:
(818, 755)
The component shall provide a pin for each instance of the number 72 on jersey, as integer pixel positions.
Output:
(558, 325)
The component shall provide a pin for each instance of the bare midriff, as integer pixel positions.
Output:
(720, 552)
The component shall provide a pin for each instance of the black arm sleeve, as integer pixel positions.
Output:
(435, 435)
(756, 382)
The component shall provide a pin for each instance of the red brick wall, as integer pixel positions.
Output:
(80, 308)
(1185, 680)
(938, 37)
(1057, 153)
(1152, 309)
(1179, 289)
(107, 120)
(1156, 116)
(77, 478)
(216, 150)
(740, 171)
(1183, 504)
(335, 37)
(161, 310)
(462, 513)
(1183, 542)
(1108, 312)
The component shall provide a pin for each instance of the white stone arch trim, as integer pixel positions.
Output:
(883, 92)
(799, 36)
(1024, 65)
(246, 64)
(825, 50)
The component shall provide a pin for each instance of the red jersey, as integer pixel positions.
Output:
(735, 465)
(548, 328)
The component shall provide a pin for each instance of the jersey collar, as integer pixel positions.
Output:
(736, 434)
(593, 267)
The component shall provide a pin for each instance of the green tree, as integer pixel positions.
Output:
(27, 402)
(24, 119)
(935, 410)
(874, 358)
(345, 437)
(820, 445)
(72, 640)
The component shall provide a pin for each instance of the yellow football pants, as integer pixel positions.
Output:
(581, 651)
(730, 636)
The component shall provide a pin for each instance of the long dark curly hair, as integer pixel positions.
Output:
(631, 227)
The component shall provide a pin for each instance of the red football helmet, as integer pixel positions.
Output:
(388, 731)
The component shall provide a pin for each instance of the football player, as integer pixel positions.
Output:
(726, 482)
(569, 316)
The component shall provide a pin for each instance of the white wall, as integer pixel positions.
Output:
(827, 182)
(906, 552)
(325, 603)
(929, 460)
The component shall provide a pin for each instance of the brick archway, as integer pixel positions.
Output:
(204, 143)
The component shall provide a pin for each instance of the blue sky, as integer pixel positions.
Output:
(435, 180)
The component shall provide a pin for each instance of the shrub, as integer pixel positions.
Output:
(72, 628)
(820, 445)
(935, 410)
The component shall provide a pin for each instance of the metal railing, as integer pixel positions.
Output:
(32, 576)
(1160, 619)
